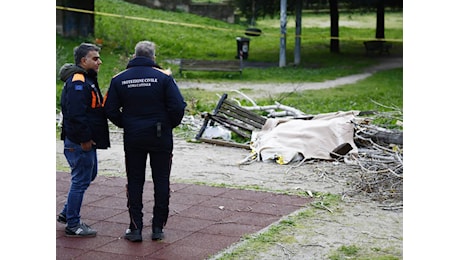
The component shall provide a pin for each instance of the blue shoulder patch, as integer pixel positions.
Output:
(78, 87)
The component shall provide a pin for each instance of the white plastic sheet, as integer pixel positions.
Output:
(288, 140)
(217, 132)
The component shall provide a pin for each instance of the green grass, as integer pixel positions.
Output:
(383, 87)
(120, 25)
(282, 233)
(381, 92)
(356, 253)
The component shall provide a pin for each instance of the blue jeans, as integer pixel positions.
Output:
(83, 166)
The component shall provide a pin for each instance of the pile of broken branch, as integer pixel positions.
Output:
(380, 158)
(380, 149)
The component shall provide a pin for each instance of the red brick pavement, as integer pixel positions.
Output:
(203, 220)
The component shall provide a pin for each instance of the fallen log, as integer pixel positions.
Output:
(387, 137)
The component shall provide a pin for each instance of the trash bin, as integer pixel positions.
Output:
(242, 47)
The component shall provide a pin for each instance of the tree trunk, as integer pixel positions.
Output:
(334, 13)
(384, 138)
(380, 27)
(283, 23)
(77, 24)
(298, 31)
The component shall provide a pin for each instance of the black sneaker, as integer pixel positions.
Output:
(81, 230)
(61, 218)
(157, 233)
(134, 235)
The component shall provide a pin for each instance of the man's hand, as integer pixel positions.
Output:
(86, 146)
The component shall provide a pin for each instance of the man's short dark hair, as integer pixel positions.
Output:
(82, 50)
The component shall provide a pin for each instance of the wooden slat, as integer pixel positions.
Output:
(231, 126)
(242, 114)
(233, 117)
(225, 143)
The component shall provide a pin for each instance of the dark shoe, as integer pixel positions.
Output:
(157, 234)
(61, 218)
(134, 235)
(81, 230)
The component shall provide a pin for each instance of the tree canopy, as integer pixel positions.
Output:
(253, 9)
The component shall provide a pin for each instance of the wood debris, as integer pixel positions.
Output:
(380, 150)
(381, 163)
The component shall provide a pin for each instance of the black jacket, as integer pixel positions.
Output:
(84, 117)
(146, 102)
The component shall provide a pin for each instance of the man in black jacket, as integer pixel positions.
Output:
(145, 101)
(84, 129)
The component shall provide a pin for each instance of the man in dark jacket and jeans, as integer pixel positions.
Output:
(84, 129)
(145, 101)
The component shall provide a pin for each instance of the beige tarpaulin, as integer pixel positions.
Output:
(286, 140)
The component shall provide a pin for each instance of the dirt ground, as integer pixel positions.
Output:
(355, 222)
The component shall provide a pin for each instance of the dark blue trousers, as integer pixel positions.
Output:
(160, 163)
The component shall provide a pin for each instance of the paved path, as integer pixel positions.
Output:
(202, 221)
(276, 88)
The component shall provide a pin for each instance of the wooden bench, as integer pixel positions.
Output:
(233, 117)
(211, 65)
(377, 46)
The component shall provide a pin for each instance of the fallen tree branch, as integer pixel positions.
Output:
(287, 110)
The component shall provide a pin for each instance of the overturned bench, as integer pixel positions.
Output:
(211, 65)
(234, 118)
(377, 46)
